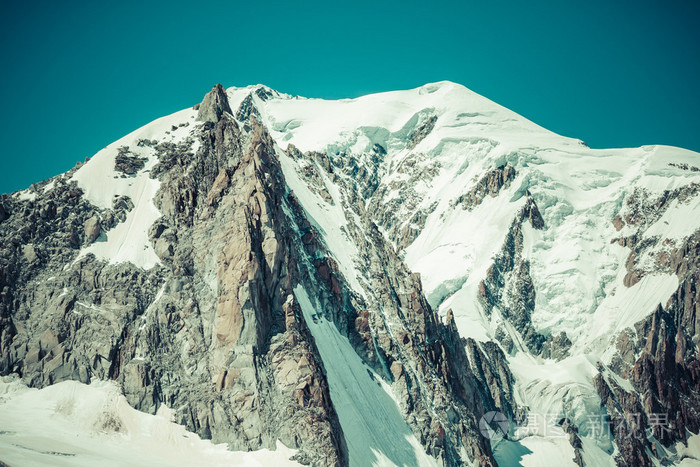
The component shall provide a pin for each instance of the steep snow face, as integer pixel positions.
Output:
(102, 184)
(328, 219)
(73, 424)
(678, 222)
(374, 429)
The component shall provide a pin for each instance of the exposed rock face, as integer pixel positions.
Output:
(231, 217)
(659, 355)
(489, 185)
(214, 105)
(39, 237)
(421, 132)
(92, 229)
(402, 217)
(247, 110)
(235, 358)
(628, 430)
(318, 163)
(508, 289)
(3, 213)
(640, 212)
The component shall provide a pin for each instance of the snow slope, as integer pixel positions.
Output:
(73, 424)
(374, 429)
(128, 241)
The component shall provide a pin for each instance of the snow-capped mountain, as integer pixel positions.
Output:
(417, 277)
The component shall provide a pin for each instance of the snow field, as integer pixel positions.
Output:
(73, 424)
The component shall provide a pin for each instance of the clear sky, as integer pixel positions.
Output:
(78, 75)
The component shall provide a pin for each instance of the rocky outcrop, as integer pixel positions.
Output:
(4, 214)
(659, 356)
(214, 105)
(508, 290)
(37, 237)
(641, 211)
(92, 229)
(128, 163)
(488, 185)
(396, 206)
(247, 110)
(574, 440)
(624, 422)
(421, 132)
(531, 213)
(315, 163)
(233, 205)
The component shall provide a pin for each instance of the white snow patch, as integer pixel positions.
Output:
(556, 389)
(128, 240)
(49, 186)
(626, 306)
(26, 195)
(535, 451)
(317, 124)
(678, 222)
(690, 454)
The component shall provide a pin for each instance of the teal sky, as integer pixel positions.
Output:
(77, 77)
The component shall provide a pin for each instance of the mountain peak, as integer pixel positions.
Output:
(214, 104)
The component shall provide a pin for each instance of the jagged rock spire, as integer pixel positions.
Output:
(214, 104)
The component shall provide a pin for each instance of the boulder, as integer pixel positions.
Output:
(30, 253)
(92, 228)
